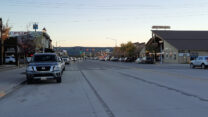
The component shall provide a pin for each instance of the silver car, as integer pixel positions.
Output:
(201, 61)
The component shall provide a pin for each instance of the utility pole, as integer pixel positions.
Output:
(1, 42)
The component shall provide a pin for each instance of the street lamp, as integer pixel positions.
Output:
(1, 42)
(161, 42)
(57, 44)
(113, 40)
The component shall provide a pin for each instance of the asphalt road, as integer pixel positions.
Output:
(113, 89)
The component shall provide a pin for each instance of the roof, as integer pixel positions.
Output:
(184, 40)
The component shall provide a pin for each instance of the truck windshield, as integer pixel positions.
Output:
(44, 58)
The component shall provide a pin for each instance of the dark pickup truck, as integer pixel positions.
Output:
(44, 66)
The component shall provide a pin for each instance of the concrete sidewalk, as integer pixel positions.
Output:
(10, 80)
(10, 67)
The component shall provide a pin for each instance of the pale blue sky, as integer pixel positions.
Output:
(90, 22)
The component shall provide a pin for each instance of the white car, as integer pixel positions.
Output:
(138, 60)
(62, 63)
(201, 61)
(10, 59)
(66, 60)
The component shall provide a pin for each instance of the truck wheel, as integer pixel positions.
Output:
(29, 81)
(192, 66)
(203, 66)
(58, 80)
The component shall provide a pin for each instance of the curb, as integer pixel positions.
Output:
(6, 92)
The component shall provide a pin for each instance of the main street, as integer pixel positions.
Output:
(111, 89)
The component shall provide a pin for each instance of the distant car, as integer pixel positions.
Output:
(201, 61)
(10, 59)
(147, 60)
(96, 58)
(62, 63)
(44, 66)
(129, 59)
(138, 60)
(122, 59)
(114, 59)
(107, 58)
(101, 59)
(66, 60)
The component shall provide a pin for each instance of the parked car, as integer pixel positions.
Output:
(101, 59)
(114, 59)
(138, 60)
(107, 58)
(122, 59)
(147, 60)
(62, 64)
(201, 61)
(66, 60)
(44, 66)
(96, 58)
(10, 59)
(129, 59)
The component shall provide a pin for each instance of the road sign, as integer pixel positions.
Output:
(35, 26)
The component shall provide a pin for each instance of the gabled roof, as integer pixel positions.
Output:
(184, 40)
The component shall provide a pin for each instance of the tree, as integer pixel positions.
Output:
(5, 31)
(117, 52)
(128, 49)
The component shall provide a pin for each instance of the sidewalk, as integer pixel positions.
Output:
(10, 79)
(9, 67)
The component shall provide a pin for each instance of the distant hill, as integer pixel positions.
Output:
(76, 51)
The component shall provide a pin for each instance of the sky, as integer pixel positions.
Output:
(99, 23)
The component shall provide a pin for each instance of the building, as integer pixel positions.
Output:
(178, 46)
(139, 48)
(32, 41)
(87, 51)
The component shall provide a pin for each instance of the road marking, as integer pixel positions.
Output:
(172, 74)
(161, 72)
(105, 106)
(166, 87)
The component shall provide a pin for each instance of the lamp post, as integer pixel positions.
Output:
(161, 59)
(113, 40)
(57, 44)
(1, 43)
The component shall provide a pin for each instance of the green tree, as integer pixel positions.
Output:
(128, 49)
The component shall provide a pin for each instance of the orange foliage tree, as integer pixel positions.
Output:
(5, 31)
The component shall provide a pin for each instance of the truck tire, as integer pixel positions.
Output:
(192, 66)
(59, 80)
(29, 81)
(203, 66)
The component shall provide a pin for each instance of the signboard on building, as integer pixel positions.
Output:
(160, 27)
(17, 33)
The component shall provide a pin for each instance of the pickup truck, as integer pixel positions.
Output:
(44, 66)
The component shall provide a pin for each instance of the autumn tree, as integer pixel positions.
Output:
(117, 52)
(5, 31)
